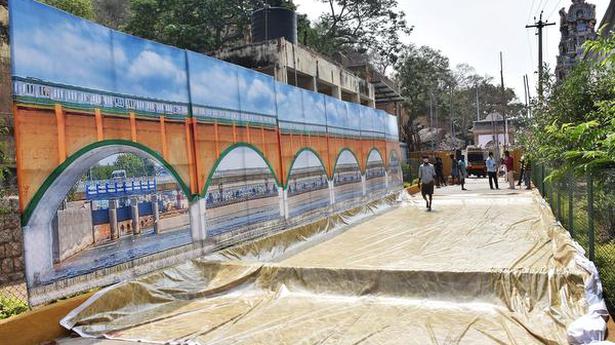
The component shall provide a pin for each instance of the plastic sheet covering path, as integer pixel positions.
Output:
(483, 268)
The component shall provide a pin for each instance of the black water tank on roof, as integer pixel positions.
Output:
(274, 22)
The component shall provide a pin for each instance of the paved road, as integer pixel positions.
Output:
(484, 267)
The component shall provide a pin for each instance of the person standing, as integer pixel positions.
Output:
(462, 171)
(508, 162)
(427, 175)
(492, 171)
(523, 171)
(454, 170)
(528, 173)
(440, 180)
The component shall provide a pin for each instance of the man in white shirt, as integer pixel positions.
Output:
(492, 171)
(427, 177)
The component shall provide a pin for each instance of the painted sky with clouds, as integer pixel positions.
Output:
(306, 159)
(54, 46)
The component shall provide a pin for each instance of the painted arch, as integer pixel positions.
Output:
(242, 192)
(39, 215)
(307, 187)
(92, 154)
(375, 174)
(347, 180)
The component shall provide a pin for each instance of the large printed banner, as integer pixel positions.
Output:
(247, 155)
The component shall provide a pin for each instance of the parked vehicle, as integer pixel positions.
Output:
(476, 158)
(118, 174)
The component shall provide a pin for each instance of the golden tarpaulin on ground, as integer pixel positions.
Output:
(482, 268)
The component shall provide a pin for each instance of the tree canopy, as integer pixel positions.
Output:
(134, 165)
(198, 25)
(574, 127)
(81, 8)
(429, 84)
(373, 27)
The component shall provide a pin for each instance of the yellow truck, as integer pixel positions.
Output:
(475, 161)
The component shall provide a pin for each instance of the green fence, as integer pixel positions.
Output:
(586, 207)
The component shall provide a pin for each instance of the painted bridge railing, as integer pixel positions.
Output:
(112, 189)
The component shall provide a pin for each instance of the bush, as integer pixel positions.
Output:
(10, 306)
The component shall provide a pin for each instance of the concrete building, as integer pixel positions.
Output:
(274, 51)
(577, 25)
(300, 66)
(493, 130)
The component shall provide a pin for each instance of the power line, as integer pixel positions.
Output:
(557, 4)
(540, 24)
(529, 43)
(529, 13)
(539, 7)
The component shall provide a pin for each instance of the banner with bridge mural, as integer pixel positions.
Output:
(232, 153)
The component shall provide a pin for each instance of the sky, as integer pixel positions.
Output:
(475, 31)
(54, 46)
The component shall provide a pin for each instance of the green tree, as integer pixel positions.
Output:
(423, 74)
(112, 13)
(574, 127)
(81, 8)
(101, 172)
(198, 25)
(360, 26)
(134, 165)
(427, 80)
(491, 99)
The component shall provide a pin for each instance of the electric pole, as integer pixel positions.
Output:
(525, 92)
(540, 24)
(451, 113)
(503, 100)
(477, 105)
(529, 95)
(433, 143)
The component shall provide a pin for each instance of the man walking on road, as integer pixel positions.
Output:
(508, 161)
(492, 171)
(427, 176)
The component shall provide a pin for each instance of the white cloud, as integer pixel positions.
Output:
(241, 158)
(149, 64)
(213, 84)
(346, 157)
(374, 156)
(306, 159)
(256, 93)
(70, 52)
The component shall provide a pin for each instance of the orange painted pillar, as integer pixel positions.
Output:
(190, 153)
(163, 138)
(282, 178)
(133, 127)
(263, 142)
(234, 133)
(331, 172)
(61, 127)
(197, 154)
(217, 139)
(99, 125)
(248, 134)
